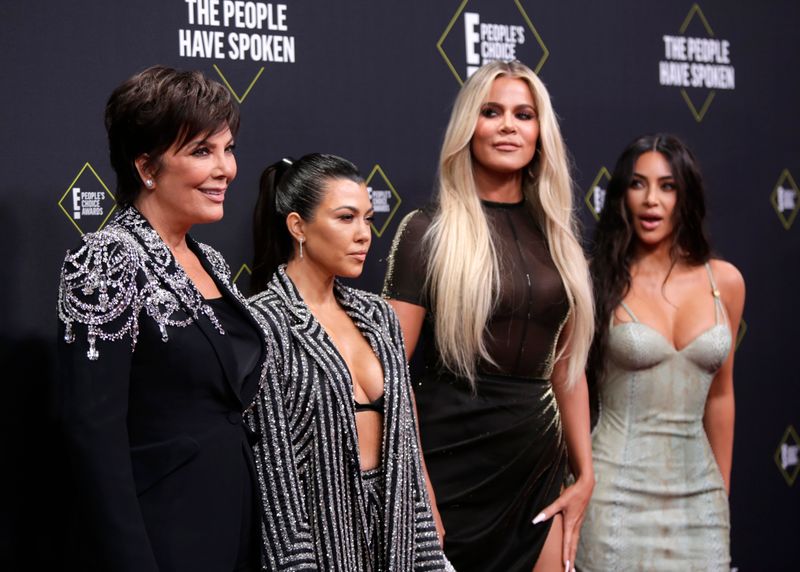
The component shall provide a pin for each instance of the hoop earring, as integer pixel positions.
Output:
(301, 241)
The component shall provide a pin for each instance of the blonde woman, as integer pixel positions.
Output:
(491, 282)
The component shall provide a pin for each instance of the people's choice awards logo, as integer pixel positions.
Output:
(237, 31)
(87, 202)
(786, 455)
(596, 195)
(385, 199)
(698, 64)
(784, 199)
(481, 32)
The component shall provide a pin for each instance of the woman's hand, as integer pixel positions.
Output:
(573, 405)
(572, 506)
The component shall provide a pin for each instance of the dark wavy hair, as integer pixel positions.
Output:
(615, 240)
(155, 109)
(289, 186)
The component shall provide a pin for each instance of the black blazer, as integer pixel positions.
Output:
(152, 423)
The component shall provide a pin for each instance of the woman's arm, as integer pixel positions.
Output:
(411, 318)
(573, 405)
(93, 408)
(718, 419)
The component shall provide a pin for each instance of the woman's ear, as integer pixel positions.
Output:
(145, 170)
(296, 226)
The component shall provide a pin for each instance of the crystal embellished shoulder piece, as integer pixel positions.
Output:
(120, 271)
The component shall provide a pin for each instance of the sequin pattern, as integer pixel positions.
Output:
(315, 503)
(123, 270)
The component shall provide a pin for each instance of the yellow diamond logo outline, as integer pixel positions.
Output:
(86, 165)
(779, 454)
(740, 334)
(786, 176)
(244, 268)
(589, 197)
(695, 10)
(398, 199)
(698, 114)
(238, 98)
(525, 17)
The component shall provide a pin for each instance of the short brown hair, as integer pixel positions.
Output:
(157, 108)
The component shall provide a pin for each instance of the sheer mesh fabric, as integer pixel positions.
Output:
(531, 306)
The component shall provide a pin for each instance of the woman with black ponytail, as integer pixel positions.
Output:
(339, 464)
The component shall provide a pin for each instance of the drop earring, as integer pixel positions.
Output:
(301, 241)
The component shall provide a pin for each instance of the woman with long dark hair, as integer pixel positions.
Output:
(345, 489)
(662, 365)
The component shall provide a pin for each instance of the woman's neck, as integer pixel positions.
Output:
(653, 259)
(498, 187)
(172, 232)
(314, 285)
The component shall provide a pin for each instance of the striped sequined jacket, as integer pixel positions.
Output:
(307, 463)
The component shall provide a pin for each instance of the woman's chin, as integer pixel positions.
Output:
(351, 271)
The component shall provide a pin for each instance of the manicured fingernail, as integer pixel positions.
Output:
(566, 568)
(539, 518)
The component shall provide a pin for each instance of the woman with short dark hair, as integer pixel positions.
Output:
(662, 365)
(159, 355)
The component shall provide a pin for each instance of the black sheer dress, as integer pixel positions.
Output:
(496, 457)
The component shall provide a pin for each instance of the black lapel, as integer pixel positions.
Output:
(221, 344)
(228, 289)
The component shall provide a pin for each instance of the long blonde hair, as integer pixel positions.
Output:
(463, 271)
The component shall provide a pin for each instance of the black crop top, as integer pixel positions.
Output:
(376, 406)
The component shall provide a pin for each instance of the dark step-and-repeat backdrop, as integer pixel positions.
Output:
(374, 80)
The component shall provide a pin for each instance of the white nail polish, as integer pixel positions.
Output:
(566, 568)
(539, 518)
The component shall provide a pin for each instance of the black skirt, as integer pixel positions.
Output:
(496, 457)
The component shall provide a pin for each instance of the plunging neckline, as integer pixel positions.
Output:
(664, 338)
(718, 309)
(327, 337)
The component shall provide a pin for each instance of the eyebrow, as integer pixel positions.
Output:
(204, 141)
(352, 209)
(660, 178)
(494, 103)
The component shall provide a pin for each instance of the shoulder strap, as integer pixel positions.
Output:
(630, 312)
(718, 307)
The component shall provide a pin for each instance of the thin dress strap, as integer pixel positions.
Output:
(630, 312)
(718, 307)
